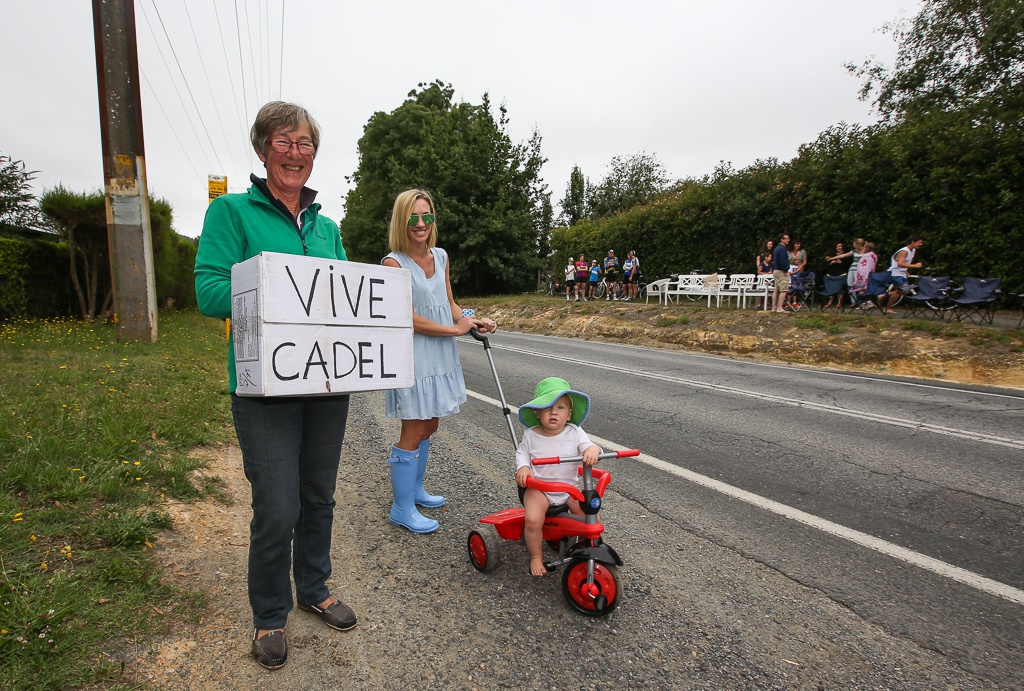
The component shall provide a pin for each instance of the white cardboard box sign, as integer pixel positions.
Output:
(304, 325)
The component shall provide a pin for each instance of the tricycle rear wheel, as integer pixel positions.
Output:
(596, 599)
(483, 550)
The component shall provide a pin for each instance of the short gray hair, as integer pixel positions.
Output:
(278, 115)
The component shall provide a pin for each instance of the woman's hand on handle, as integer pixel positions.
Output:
(463, 326)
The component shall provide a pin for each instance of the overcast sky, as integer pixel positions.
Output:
(693, 82)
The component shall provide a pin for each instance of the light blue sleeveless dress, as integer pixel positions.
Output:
(439, 389)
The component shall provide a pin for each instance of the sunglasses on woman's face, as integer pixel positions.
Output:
(428, 219)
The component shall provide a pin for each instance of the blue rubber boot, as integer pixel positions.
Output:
(421, 496)
(404, 466)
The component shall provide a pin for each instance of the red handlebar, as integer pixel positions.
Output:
(548, 486)
(554, 460)
(603, 477)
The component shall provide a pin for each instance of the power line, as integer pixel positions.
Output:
(206, 74)
(170, 123)
(241, 64)
(175, 85)
(234, 94)
(252, 62)
(280, 69)
(264, 51)
(187, 87)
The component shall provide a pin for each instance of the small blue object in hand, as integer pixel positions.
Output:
(468, 313)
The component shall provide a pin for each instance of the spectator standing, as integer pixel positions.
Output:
(865, 265)
(630, 275)
(582, 269)
(764, 258)
(797, 258)
(780, 271)
(635, 278)
(291, 445)
(595, 278)
(855, 254)
(611, 276)
(570, 279)
(764, 266)
(838, 265)
(901, 261)
(439, 388)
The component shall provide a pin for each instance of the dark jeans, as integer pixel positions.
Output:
(291, 447)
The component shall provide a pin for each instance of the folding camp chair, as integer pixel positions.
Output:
(978, 300)
(929, 298)
(878, 285)
(801, 290)
(835, 291)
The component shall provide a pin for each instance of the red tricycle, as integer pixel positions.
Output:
(591, 581)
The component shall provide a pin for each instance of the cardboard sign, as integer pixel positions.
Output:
(305, 326)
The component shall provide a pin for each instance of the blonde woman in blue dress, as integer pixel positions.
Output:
(439, 387)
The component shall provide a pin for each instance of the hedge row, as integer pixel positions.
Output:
(955, 181)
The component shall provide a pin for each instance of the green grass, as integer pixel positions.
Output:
(830, 325)
(95, 436)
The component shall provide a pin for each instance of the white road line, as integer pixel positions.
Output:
(771, 365)
(795, 402)
(969, 578)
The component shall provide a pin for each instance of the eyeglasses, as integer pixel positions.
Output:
(283, 146)
(428, 219)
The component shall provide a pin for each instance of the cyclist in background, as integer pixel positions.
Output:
(611, 276)
(595, 278)
(631, 276)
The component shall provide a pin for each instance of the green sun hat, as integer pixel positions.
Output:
(547, 394)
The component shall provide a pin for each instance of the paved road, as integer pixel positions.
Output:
(900, 500)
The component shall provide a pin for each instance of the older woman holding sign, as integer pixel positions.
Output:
(439, 389)
(291, 446)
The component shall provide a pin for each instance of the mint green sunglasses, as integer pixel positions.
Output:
(428, 219)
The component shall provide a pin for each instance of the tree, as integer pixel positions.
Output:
(954, 55)
(81, 222)
(17, 207)
(174, 257)
(630, 182)
(489, 196)
(574, 205)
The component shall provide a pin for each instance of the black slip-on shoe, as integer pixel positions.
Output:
(337, 615)
(271, 651)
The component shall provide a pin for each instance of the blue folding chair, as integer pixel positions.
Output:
(801, 290)
(929, 298)
(835, 290)
(977, 301)
(878, 285)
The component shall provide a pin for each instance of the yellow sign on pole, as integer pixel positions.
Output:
(218, 186)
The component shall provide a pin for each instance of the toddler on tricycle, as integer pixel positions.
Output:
(554, 452)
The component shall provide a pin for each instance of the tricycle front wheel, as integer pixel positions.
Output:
(593, 599)
(483, 549)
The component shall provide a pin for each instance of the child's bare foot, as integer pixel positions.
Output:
(537, 566)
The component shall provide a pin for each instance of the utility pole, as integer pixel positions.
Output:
(124, 170)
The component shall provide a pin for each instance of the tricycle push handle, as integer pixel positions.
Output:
(554, 460)
(480, 337)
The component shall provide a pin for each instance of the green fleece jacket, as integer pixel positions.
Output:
(240, 226)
